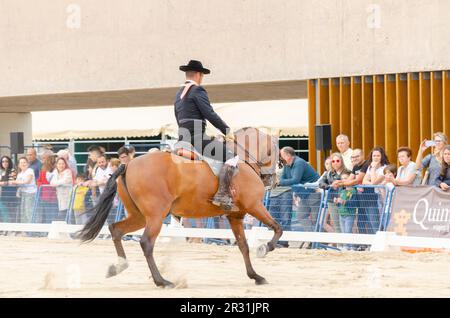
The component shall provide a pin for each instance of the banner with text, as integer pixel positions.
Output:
(420, 211)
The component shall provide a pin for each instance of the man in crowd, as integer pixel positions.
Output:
(343, 145)
(295, 171)
(125, 155)
(102, 173)
(34, 162)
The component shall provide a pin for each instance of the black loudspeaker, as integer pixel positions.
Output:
(16, 142)
(323, 137)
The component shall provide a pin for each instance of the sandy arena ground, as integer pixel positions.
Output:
(39, 267)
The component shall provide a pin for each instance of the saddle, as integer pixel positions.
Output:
(186, 150)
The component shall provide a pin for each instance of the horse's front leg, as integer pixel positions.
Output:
(237, 226)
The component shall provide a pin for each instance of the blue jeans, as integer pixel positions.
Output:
(308, 210)
(280, 208)
(346, 223)
(368, 212)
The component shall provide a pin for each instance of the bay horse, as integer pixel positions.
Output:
(156, 184)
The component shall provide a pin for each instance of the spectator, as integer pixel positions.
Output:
(114, 164)
(324, 174)
(343, 145)
(65, 153)
(102, 173)
(94, 153)
(337, 169)
(356, 177)
(443, 180)
(8, 193)
(346, 206)
(79, 203)
(433, 160)
(359, 170)
(33, 162)
(48, 200)
(26, 190)
(390, 173)
(124, 155)
(370, 199)
(295, 171)
(63, 182)
(407, 174)
(132, 151)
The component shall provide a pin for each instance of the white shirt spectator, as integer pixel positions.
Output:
(63, 182)
(23, 176)
(347, 156)
(102, 176)
(403, 173)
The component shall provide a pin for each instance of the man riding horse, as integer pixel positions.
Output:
(192, 110)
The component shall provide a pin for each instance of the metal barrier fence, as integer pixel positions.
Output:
(47, 203)
(303, 208)
(363, 209)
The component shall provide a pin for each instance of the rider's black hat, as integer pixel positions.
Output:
(195, 66)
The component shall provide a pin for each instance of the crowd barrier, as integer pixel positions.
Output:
(308, 216)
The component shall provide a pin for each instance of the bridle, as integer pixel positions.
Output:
(259, 163)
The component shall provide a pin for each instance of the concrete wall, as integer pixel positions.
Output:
(14, 122)
(51, 46)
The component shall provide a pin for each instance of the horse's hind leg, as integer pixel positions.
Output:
(133, 222)
(237, 227)
(148, 240)
(261, 213)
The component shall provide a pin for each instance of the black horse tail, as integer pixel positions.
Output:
(101, 210)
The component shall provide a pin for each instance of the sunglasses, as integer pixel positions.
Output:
(335, 161)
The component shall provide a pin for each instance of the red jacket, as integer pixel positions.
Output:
(48, 193)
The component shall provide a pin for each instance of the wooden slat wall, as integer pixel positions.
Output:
(356, 112)
(413, 112)
(401, 90)
(425, 106)
(334, 109)
(312, 153)
(367, 113)
(446, 101)
(390, 143)
(345, 109)
(389, 110)
(378, 110)
(324, 101)
(436, 102)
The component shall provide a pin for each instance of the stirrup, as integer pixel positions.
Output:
(226, 206)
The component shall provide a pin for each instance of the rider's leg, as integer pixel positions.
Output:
(223, 196)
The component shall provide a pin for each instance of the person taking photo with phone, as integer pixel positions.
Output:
(432, 161)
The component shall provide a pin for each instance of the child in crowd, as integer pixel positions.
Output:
(389, 171)
(114, 164)
(79, 204)
(346, 204)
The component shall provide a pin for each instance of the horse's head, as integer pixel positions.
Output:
(260, 150)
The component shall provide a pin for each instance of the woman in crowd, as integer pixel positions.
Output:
(8, 193)
(433, 160)
(369, 199)
(337, 169)
(63, 182)
(26, 183)
(48, 207)
(443, 180)
(407, 173)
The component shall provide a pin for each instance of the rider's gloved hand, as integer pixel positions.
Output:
(229, 137)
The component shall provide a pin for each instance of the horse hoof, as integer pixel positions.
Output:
(261, 281)
(262, 251)
(112, 271)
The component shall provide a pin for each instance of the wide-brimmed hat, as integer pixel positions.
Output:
(195, 66)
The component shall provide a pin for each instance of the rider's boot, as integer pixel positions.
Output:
(223, 195)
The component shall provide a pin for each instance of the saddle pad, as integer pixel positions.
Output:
(215, 165)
